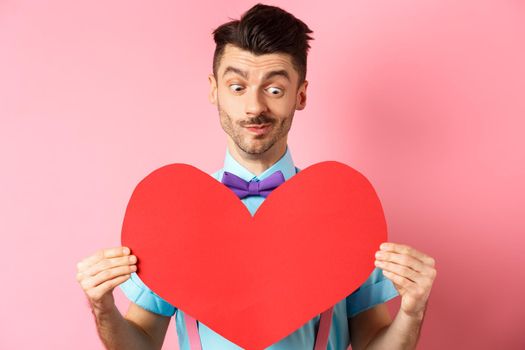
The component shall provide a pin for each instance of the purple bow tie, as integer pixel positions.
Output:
(253, 188)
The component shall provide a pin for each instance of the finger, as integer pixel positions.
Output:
(90, 260)
(405, 249)
(98, 292)
(400, 270)
(402, 290)
(106, 275)
(101, 254)
(110, 263)
(398, 280)
(401, 259)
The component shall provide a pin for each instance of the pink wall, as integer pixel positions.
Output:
(426, 98)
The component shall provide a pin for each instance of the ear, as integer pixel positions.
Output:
(301, 96)
(213, 89)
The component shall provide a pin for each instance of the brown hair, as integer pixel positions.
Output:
(265, 29)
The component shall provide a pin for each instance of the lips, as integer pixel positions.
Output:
(259, 129)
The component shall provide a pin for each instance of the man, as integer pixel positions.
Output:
(258, 82)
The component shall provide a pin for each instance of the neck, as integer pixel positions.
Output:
(257, 163)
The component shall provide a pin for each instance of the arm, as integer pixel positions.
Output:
(373, 329)
(98, 276)
(365, 325)
(139, 329)
(403, 333)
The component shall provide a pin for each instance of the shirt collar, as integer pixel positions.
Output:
(284, 164)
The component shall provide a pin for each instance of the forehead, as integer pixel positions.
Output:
(255, 65)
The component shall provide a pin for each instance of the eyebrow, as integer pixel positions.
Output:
(244, 74)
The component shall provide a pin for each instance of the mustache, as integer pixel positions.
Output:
(260, 119)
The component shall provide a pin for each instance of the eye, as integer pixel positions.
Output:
(274, 91)
(235, 87)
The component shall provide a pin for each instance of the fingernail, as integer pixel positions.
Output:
(126, 250)
(132, 259)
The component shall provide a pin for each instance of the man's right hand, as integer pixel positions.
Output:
(101, 272)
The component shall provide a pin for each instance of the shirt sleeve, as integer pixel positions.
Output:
(137, 292)
(377, 289)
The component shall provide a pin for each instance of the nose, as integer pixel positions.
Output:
(255, 103)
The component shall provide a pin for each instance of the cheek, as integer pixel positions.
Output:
(227, 115)
(283, 110)
(284, 104)
(230, 104)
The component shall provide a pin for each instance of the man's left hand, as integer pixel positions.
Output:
(412, 273)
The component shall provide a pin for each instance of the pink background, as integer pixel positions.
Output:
(425, 98)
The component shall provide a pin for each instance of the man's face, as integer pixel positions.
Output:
(256, 97)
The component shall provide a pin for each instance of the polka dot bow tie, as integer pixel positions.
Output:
(244, 188)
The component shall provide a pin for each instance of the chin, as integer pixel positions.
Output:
(260, 149)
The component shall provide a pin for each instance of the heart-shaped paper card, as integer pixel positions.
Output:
(254, 280)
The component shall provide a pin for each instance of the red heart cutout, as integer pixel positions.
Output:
(254, 280)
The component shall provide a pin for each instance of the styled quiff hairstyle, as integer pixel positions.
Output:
(265, 29)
